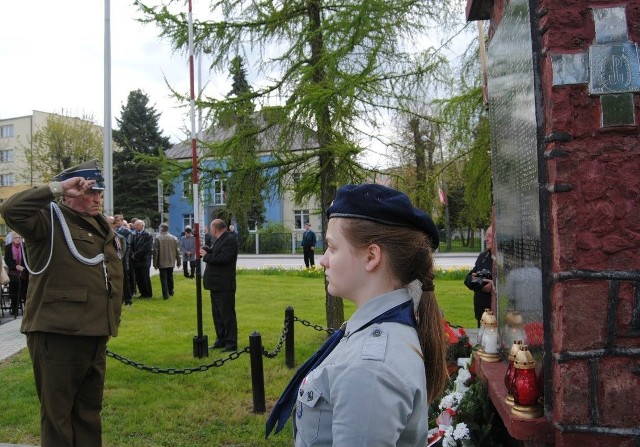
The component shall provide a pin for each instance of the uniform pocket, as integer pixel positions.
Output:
(65, 295)
(309, 409)
(63, 309)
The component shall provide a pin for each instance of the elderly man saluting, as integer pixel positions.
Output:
(74, 299)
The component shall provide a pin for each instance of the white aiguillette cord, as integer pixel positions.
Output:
(72, 247)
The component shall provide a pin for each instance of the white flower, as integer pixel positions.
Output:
(461, 431)
(447, 438)
(451, 400)
(463, 375)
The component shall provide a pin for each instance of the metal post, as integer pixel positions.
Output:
(200, 341)
(289, 350)
(293, 243)
(257, 372)
(107, 150)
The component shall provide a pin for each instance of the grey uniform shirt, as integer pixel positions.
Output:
(371, 390)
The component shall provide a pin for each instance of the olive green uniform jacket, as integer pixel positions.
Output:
(68, 297)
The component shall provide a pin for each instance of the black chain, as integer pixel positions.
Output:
(173, 371)
(218, 363)
(317, 327)
(273, 354)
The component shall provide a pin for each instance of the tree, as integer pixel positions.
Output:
(246, 182)
(331, 67)
(64, 141)
(135, 174)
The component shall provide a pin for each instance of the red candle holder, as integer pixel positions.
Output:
(510, 375)
(525, 386)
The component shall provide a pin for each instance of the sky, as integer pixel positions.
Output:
(52, 55)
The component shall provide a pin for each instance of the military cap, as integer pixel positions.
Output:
(89, 170)
(384, 205)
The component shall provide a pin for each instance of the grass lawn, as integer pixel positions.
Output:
(204, 408)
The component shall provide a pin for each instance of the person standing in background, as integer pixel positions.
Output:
(188, 249)
(18, 275)
(122, 228)
(74, 300)
(165, 254)
(220, 279)
(124, 236)
(141, 256)
(308, 245)
(479, 279)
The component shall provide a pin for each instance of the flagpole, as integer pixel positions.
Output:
(107, 153)
(200, 341)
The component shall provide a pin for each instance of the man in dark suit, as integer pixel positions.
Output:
(220, 279)
(308, 245)
(141, 257)
(73, 302)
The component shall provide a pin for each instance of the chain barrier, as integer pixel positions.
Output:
(174, 371)
(218, 363)
(273, 354)
(317, 327)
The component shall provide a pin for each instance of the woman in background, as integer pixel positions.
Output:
(18, 275)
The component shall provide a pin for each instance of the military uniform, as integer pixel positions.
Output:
(71, 311)
(371, 390)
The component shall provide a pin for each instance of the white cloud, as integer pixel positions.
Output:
(52, 56)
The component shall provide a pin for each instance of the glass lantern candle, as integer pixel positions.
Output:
(525, 388)
(509, 376)
(484, 316)
(514, 328)
(490, 340)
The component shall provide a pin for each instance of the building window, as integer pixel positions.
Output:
(219, 191)
(7, 180)
(187, 186)
(6, 131)
(6, 156)
(187, 219)
(300, 217)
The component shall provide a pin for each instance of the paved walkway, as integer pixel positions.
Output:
(11, 339)
(11, 342)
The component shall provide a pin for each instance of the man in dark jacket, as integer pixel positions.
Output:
(482, 285)
(308, 245)
(220, 279)
(141, 256)
(73, 302)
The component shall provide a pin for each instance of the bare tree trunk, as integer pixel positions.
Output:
(334, 305)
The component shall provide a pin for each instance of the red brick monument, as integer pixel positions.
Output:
(563, 90)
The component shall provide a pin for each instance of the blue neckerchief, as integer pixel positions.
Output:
(402, 313)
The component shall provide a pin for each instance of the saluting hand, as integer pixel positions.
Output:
(76, 186)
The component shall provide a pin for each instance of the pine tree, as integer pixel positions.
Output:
(135, 186)
(330, 66)
(246, 182)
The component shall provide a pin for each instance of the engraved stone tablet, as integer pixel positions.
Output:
(614, 68)
(514, 145)
(617, 110)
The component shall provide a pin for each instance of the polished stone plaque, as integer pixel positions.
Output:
(570, 68)
(614, 68)
(514, 146)
(610, 24)
(617, 110)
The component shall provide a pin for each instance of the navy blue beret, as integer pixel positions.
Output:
(89, 170)
(384, 205)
